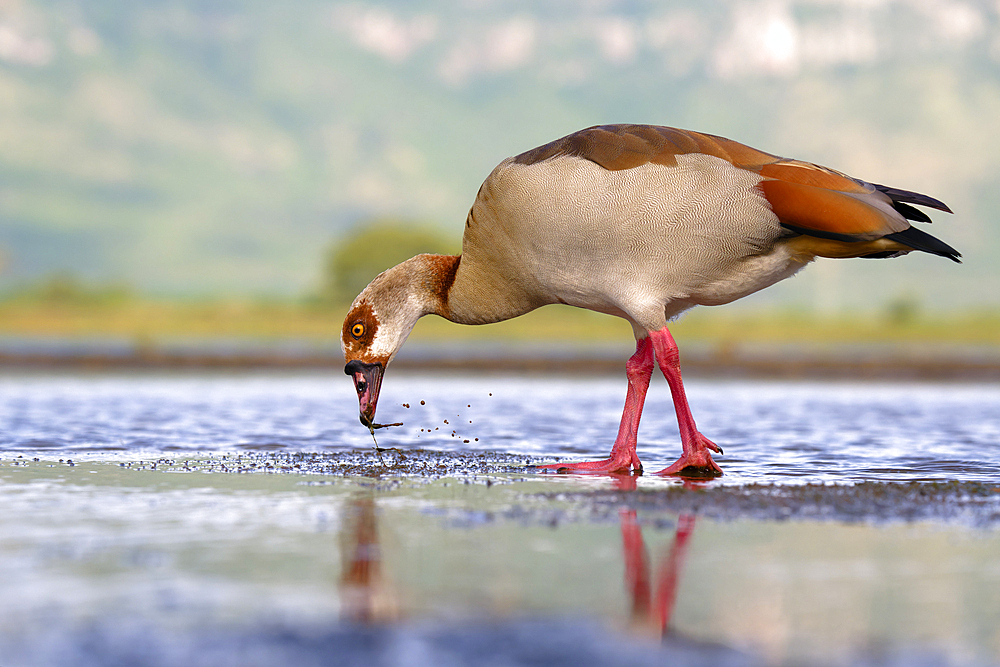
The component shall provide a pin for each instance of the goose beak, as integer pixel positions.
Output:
(367, 382)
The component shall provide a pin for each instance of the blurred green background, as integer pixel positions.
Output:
(172, 167)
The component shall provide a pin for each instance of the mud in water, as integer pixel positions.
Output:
(971, 503)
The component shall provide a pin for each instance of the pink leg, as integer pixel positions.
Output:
(639, 370)
(695, 460)
(669, 573)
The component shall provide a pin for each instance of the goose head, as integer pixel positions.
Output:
(381, 318)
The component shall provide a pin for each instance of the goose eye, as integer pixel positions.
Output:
(358, 330)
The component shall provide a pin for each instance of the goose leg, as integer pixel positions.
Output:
(639, 370)
(695, 460)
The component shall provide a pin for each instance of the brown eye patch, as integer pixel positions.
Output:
(359, 329)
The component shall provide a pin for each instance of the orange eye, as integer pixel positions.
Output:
(358, 330)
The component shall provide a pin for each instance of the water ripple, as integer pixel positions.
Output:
(780, 431)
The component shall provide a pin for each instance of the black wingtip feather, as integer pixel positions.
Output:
(897, 195)
(919, 240)
(910, 213)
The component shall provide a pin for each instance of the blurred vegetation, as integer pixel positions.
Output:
(903, 311)
(66, 289)
(63, 306)
(373, 247)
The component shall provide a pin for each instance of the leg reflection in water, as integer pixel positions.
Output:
(653, 600)
(366, 596)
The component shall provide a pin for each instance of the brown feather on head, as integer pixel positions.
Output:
(359, 331)
(383, 315)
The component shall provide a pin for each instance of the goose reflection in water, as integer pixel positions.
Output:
(366, 595)
(652, 599)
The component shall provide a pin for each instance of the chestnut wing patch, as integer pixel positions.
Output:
(617, 147)
(812, 200)
(828, 213)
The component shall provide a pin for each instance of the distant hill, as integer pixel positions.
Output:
(185, 147)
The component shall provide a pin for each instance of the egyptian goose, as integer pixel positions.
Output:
(641, 222)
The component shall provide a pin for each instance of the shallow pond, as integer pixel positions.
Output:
(770, 431)
(244, 520)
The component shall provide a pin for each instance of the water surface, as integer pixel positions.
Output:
(770, 431)
(243, 519)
